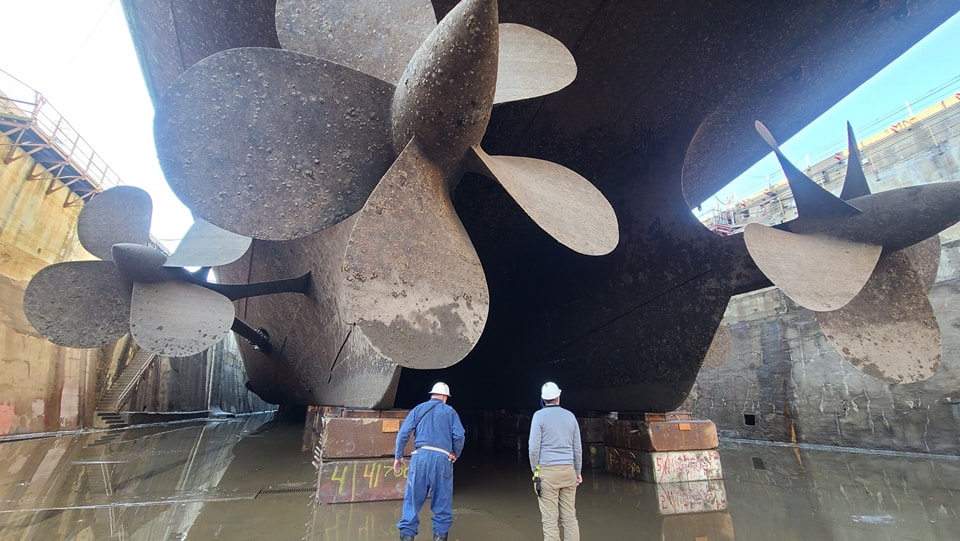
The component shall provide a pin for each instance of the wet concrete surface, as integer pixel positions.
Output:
(246, 478)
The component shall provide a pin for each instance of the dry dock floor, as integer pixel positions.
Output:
(246, 478)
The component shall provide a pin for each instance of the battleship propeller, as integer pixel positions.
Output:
(889, 330)
(864, 262)
(373, 107)
(134, 287)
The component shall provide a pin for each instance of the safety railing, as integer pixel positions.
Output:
(134, 381)
(23, 108)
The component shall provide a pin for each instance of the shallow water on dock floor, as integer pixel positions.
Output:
(247, 478)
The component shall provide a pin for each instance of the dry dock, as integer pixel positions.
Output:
(247, 478)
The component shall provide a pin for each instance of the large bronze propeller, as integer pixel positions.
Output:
(864, 262)
(372, 107)
(137, 288)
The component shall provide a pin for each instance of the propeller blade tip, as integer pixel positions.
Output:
(851, 137)
(765, 134)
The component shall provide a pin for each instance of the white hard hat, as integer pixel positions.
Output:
(440, 388)
(549, 391)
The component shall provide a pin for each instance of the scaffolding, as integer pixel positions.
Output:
(62, 158)
(774, 204)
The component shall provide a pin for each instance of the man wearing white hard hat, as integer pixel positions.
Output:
(438, 439)
(556, 458)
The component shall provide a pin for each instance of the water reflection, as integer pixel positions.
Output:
(246, 478)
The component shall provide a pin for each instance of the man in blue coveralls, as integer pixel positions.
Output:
(438, 439)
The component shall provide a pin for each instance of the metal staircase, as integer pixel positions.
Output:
(108, 407)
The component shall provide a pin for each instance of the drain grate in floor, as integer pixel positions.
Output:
(286, 490)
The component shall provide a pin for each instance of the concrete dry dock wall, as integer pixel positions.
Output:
(783, 381)
(213, 380)
(45, 387)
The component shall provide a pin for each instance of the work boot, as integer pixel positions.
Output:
(439, 537)
(405, 537)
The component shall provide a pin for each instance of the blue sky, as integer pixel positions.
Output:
(924, 75)
(79, 55)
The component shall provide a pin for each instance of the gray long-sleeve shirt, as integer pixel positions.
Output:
(555, 439)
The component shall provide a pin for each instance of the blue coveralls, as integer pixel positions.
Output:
(430, 470)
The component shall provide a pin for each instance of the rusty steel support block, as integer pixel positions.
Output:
(666, 467)
(662, 432)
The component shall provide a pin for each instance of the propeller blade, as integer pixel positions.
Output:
(818, 272)
(720, 347)
(531, 64)
(175, 319)
(889, 330)
(79, 304)
(273, 144)
(206, 245)
(377, 37)
(118, 215)
(924, 259)
(563, 203)
(855, 182)
(445, 96)
(812, 200)
(413, 282)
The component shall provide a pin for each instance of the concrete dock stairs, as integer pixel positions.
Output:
(107, 411)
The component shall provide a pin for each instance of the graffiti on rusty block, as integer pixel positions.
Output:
(691, 497)
(664, 467)
(361, 480)
(623, 462)
(686, 466)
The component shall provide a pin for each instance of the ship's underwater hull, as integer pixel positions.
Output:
(659, 117)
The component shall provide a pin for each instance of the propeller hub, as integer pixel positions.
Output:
(139, 263)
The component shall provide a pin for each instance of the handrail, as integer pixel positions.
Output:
(134, 381)
(882, 137)
(20, 99)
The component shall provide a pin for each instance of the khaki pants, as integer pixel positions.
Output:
(558, 498)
